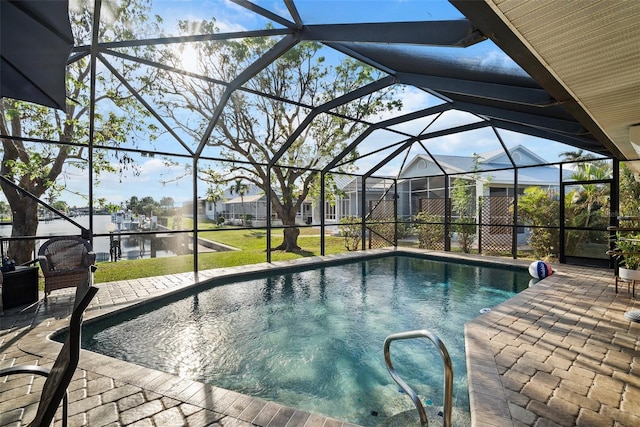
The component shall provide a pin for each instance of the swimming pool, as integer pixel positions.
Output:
(313, 339)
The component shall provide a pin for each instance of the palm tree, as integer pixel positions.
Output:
(588, 198)
(577, 156)
(214, 195)
(240, 188)
(589, 202)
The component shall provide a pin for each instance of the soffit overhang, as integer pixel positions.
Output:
(584, 54)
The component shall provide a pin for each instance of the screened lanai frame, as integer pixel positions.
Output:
(346, 40)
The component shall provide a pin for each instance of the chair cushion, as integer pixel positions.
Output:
(66, 257)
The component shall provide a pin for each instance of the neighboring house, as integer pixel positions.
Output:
(246, 209)
(423, 179)
(349, 201)
(423, 186)
(235, 208)
(226, 206)
(422, 183)
(239, 210)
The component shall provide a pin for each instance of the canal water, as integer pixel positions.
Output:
(131, 247)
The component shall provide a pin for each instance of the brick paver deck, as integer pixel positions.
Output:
(560, 353)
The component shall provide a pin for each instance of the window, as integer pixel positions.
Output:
(345, 209)
(329, 210)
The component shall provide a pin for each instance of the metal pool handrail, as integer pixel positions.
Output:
(448, 373)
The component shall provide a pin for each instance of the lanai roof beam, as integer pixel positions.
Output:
(271, 32)
(266, 13)
(390, 122)
(502, 92)
(140, 99)
(348, 97)
(550, 123)
(436, 134)
(457, 33)
(572, 140)
(293, 10)
(274, 53)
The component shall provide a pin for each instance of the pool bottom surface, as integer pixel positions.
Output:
(313, 339)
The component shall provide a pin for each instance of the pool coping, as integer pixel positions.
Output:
(489, 404)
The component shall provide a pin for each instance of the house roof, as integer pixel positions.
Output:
(489, 160)
(373, 184)
(246, 199)
(493, 164)
(542, 175)
(492, 156)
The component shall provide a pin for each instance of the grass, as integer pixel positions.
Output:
(252, 245)
(187, 224)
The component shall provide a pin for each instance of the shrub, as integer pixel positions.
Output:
(465, 229)
(540, 209)
(430, 230)
(351, 230)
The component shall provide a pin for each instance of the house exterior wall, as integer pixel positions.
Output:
(213, 210)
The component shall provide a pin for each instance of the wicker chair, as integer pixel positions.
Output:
(65, 262)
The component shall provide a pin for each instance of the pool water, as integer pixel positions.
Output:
(313, 339)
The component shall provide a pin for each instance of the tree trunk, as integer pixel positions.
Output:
(289, 241)
(25, 223)
(290, 234)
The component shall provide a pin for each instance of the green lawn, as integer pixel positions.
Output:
(257, 239)
(252, 245)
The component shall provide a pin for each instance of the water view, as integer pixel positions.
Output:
(131, 246)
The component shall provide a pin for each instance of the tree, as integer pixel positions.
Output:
(60, 205)
(35, 167)
(587, 204)
(576, 156)
(240, 188)
(215, 192)
(104, 205)
(133, 204)
(463, 201)
(166, 204)
(629, 192)
(214, 195)
(589, 200)
(252, 128)
(540, 209)
(351, 230)
(148, 205)
(4, 209)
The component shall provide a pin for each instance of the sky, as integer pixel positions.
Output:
(157, 178)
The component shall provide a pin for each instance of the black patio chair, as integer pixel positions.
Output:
(59, 376)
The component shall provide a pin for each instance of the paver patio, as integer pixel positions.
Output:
(560, 353)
